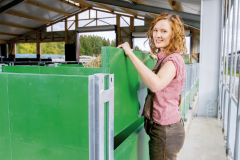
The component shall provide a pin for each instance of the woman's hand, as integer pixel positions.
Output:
(127, 48)
(152, 55)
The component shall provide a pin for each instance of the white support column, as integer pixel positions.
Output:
(210, 51)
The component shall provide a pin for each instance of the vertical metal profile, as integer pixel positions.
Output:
(236, 147)
(230, 79)
(224, 63)
(98, 142)
(220, 64)
(91, 119)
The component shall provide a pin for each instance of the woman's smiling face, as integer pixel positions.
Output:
(162, 34)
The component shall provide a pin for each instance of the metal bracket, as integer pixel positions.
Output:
(101, 137)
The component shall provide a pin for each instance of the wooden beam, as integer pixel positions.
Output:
(71, 35)
(125, 32)
(194, 56)
(196, 39)
(83, 3)
(66, 31)
(71, 4)
(196, 31)
(27, 16)
(38, 36)
(129, 11)
(58, 35)
(147, 20)
(3, 41)
(76, 20)
(118, 29)
(153, 15)
(8, 34)
(46, 7)
(104, 6)
(175, 6)
(45, 36)
(39, 29)
(15, 26)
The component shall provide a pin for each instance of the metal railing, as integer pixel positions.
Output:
(228, 103)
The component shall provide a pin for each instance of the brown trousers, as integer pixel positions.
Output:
(165, 141)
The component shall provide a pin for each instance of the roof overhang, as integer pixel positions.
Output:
(188, 18)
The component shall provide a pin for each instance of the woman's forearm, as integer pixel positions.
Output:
(150, 79)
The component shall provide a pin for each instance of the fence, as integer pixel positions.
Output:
(228, 102)
(73, 112)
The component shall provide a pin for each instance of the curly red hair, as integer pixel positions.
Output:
(177, 42)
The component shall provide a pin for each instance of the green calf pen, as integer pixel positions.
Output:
(72, 112)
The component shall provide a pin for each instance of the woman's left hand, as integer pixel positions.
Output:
(127, 48)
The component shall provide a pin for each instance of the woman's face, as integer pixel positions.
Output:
(162, 33)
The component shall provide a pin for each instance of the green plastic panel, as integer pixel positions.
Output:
(43, 117)
(135, 147)
(5, 145)
(62, 70)
(129, 90)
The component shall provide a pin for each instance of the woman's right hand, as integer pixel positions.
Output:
(152, 55)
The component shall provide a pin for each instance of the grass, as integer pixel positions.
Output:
(237, 73)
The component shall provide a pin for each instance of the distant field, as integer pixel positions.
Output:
(53, 56)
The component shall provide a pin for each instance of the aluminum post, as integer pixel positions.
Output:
(236, 147)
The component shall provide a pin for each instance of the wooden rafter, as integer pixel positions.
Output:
(147, 20)
(175, 5)
(153, 15)
(8, 34)
(194, 56)
(83, 3)
(196, 31)
(104, 22)
(71, 4)
(125, 32)
(30, 38)
(58, 35)
(39, 29)
(125, 20)
(129, 11)
(27, 16)
(104, 6)
(45, 36)
(3, 41)
(71, 25)
(15, 26)
(140, 2)
(46, 7)
(71, 35)
(196, 39)
(89, 23)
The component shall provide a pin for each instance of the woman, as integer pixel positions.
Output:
(164, 124)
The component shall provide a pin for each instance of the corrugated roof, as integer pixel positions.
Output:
(43, 16)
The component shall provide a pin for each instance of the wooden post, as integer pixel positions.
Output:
(76, 20)
(38, 44)
(66, 31)
(118, 30)
(131, 30)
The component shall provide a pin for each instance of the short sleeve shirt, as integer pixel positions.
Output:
(166, 101)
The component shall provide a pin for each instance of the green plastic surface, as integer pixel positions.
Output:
(43, 117)
(127, 82)
(44, 110)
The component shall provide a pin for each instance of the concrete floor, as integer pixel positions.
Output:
(203, 141)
